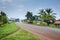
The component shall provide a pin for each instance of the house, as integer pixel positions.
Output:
(57, 22)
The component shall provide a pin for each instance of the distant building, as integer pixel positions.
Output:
(17, 20)
(57, 22)
(14, 20)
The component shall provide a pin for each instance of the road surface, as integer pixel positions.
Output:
(43, 32)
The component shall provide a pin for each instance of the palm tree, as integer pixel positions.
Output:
(50, 16)
(43, 15)
(47, 15)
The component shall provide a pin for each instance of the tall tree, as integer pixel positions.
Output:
(43, 15)
(29, 16)
(50, 15)
(47, 15)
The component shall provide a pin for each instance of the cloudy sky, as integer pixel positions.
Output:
(18, 8)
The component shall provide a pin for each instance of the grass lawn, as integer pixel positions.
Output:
(54, 26)
(23, 35)
(8, 29)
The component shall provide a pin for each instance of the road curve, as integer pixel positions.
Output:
(44, 32)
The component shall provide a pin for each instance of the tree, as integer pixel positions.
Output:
(29, 16)
(37, 18)
(47, 15)
(3, 14)
(32, 18)
(3, 18)
(42, 15)
(50, 15)
(1, 22)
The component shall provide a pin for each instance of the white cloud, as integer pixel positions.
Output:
(7, 1)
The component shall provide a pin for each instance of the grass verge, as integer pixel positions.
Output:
(8, 29)
(22, 35)
(51, 26)
(55, 26)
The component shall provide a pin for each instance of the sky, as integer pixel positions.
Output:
(19, 8)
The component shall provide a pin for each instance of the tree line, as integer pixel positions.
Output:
(45, 15)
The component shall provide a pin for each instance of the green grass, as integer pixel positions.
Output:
(54, 26)
(22, 35)
(51, 26)
(39, 24)
(7, 29)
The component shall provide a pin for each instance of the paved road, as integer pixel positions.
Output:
(44, 32)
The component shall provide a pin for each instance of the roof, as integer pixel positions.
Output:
(57, 22)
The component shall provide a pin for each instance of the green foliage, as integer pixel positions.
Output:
(29, 15)
(47, 16)
(8, 29)
(3, 18)
(31, 18)
(37, 18)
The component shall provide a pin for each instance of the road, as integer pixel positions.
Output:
(44, 32)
